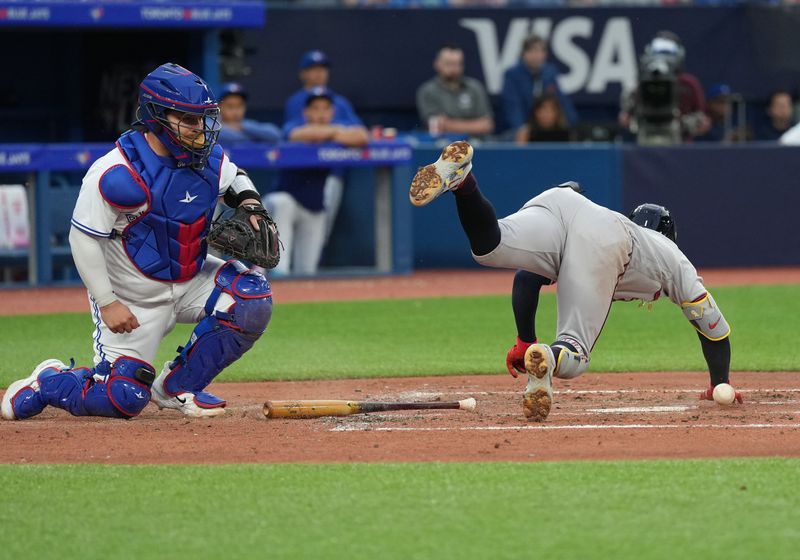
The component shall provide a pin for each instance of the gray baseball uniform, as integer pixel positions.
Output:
(598, 256)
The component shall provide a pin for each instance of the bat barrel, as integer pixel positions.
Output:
(309, 409)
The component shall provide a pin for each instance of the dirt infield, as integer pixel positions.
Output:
(597, 416)
(429, 283)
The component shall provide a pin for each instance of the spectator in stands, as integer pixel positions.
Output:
(236, 128)
(314, 72)
(297, 205)
(452, 103)
(691, 104)
(529, 79)
(546, 123)
(780, 113)
(719, 112)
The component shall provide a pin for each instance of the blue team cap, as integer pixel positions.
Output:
(717, 90)
(318, 93)
(232, 88)
(314, 58)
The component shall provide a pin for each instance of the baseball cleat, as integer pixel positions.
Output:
(194, 405)
(538, 396)
(708, 395)
(19, 392)
(446, 174)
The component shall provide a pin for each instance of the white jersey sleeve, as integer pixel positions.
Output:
(92, 214)
(227, 174)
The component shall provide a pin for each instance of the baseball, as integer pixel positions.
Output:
(724, 394)
(468, 404)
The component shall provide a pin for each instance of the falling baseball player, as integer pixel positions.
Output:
(595, 255)
(139, 238)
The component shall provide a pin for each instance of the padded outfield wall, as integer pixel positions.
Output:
(735, 206)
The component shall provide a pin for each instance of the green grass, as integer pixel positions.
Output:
(644, 510)
(442, 336)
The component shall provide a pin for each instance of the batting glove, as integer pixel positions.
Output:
(515, 359)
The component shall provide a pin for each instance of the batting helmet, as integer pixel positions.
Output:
(655, 217)
(193, 131)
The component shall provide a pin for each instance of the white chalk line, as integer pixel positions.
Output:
(357, 427)
(637, 409)
(697, 390)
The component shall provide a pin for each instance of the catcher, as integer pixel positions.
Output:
(139, 237)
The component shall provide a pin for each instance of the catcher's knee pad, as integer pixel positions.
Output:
(121, 390)
(223, 336)
(705, 316)
(572, 359)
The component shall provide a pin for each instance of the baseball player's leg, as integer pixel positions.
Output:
(590, 270)
(283, 208)
(586, 282)
(118, 390)
(117, 386)
(332, 197)
(309, 239)
(530, 239)
(232, 307)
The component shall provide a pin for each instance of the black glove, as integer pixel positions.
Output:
(237, 238)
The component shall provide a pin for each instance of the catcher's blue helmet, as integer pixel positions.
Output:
(192, 132)
(655, 216)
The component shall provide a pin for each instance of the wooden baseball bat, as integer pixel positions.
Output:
(315, 408)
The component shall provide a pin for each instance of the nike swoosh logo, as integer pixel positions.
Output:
(712, 326)
(180, 400)
(188, 198)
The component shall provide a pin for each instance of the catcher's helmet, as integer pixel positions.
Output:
(171, 87)
(655, 217)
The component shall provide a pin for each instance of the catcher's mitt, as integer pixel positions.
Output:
(237, 238)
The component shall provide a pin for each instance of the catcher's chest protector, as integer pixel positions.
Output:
(167, 242)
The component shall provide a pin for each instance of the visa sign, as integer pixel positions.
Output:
(614, 61)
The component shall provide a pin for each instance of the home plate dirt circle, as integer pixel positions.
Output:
(597, 416)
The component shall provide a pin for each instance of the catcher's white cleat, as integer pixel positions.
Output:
(195, 405)
(446, 174)
(32, 382)
(538, 397)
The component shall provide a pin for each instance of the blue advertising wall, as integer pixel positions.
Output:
(733, 205)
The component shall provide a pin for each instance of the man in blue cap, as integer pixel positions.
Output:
(236, 128)
(314, 72)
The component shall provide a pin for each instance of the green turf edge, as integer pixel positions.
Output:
(738, 508)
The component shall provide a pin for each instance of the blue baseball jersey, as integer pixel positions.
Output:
(307, 185)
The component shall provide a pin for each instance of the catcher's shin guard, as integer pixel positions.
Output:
(218, 340)
(121, 390)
